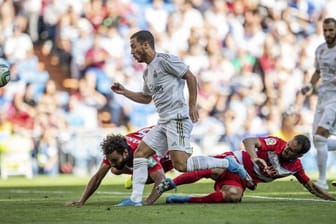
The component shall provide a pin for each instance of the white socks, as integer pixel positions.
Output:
(205, 162)
(140, 173)
(331, 144)
(321, 145)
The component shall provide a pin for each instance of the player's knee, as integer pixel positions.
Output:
(319, 139)
(216, 173)
(182, 167)
(143, 151)
(233, 195)
(179, 162)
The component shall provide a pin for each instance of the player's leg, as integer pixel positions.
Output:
(228, 194)
(206, 162)
(332, 143)
(191, 177)
(178, 139)
(215, 197)
(140, 170)
(321, 145)
(140, 174)
(184, 178)
(323, 122)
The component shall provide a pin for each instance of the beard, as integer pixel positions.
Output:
(122, 164)
(331, 40)
(140, 56)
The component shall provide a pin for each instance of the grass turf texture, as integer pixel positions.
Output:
(41, 200)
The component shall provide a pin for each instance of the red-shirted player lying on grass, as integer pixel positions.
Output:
(118, 157)
(265, 159)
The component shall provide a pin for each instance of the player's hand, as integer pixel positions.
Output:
(193, 113)
(263, 166)
(73, 203)
(269, 171)
(307, 89)
(118, 88)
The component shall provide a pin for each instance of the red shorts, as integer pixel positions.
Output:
(228, 178)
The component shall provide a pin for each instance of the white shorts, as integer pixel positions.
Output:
(173, 135)
(325, 114)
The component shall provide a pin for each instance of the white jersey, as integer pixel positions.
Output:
(325, 113)
(325, 62)
(163, 81)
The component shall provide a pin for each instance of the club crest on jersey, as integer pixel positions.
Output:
(155, 74)
(270, 141)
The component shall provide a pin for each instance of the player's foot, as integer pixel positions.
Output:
(128, 202)
(333, 183)
(322, 185)
(177, 199)
(166, 185)
(237, 168)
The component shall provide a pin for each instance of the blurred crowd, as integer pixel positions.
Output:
(251, 58)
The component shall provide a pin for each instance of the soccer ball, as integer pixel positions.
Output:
(4, 75)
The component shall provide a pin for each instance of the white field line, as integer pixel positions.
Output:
(116, 193)
(287, 199)
(19, 191)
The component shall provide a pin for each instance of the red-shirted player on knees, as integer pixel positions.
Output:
(265, 159)
(118, 157)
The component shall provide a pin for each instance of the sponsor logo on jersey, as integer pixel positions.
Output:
(158, 89)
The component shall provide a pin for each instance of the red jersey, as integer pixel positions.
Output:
(133, 139)
(270, 150)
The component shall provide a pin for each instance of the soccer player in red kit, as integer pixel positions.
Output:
(118, 157)
(265, 159)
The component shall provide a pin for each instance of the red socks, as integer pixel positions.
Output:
(191, 177)
(215, 197)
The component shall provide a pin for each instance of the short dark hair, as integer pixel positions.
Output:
(329, 20)
(113, 143)
(304, 142)
(144, 36)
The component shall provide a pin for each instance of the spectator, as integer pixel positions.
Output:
(46, 154)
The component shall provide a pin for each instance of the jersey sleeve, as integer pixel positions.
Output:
(316, 62)
(173, 65)
(300, 175)
(145, 88)
(269, 143)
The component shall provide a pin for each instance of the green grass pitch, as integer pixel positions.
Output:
(40, 200)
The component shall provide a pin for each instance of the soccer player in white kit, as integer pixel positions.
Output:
(325, 114)
(164, 81)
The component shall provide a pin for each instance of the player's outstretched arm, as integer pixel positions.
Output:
(315, 190)
(91, 187)
(158, 176)
(192, 88)
(138, 97)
